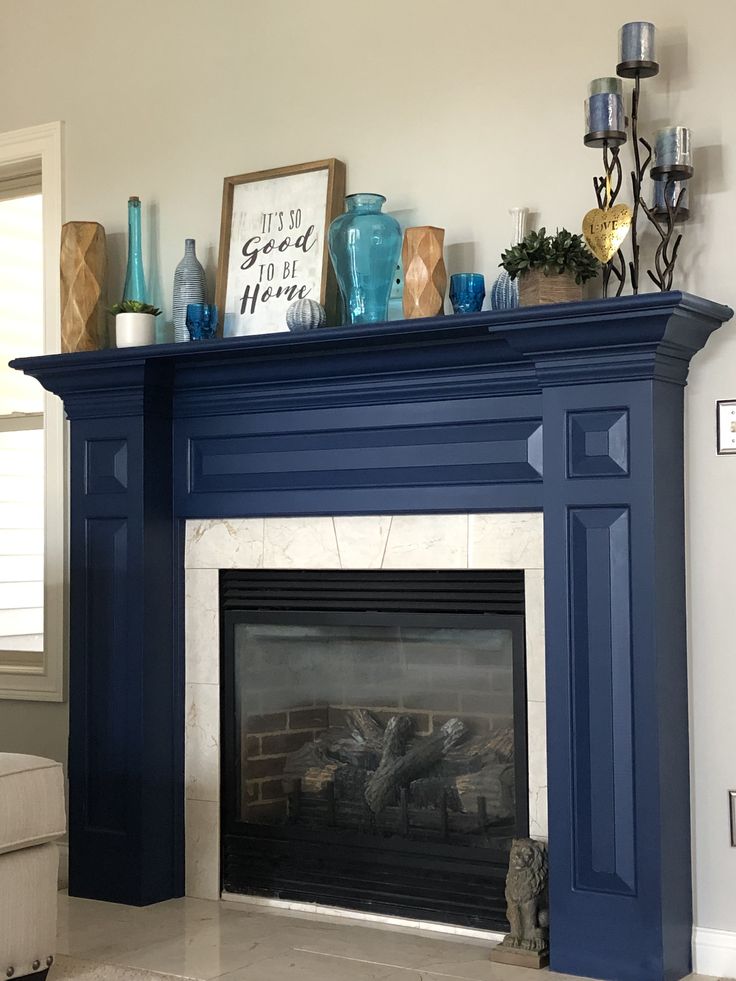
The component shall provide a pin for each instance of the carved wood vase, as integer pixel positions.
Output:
(83, 263)
(425, 275)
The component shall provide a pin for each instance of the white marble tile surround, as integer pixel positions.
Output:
(436, 541)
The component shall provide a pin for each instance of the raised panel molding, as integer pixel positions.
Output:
(107, 590)
(488, 452)
(106, 466)
(602, 700)
(598, 443)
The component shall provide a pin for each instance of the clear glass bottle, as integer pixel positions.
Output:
(135, 280)
(364, 247)
(505, 290)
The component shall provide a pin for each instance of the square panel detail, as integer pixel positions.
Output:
(107, 466)
(598, 443)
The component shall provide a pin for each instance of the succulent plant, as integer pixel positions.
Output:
(553, 254)
(134, 306)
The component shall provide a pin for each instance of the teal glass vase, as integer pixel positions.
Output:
(135, 280)
(364, 247)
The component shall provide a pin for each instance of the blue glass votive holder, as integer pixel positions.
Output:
(467, 292)
(201, 320)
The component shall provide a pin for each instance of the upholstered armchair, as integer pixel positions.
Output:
(32, 817)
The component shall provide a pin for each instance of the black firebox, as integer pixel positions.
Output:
(374, 739)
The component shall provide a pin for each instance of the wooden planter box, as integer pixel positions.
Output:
(536, 288)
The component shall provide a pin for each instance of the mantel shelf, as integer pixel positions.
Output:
(590, 323)
(503, 353)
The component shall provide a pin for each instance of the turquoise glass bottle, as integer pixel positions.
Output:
(135, 280)
(364, 247)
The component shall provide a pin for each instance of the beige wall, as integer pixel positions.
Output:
(39, 728)
(456, 111)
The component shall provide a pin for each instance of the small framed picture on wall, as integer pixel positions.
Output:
(273, 245)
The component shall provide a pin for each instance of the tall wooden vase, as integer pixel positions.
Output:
(425, 275)
(83, 265)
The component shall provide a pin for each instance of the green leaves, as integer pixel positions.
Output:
(134, 306)
(553, 254)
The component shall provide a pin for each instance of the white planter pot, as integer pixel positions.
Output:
(134, 329)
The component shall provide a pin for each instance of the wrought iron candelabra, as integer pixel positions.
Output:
(606, 129)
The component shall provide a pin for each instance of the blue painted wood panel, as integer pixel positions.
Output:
(617, 793)
(106, 586)
(106, 466)
(430, 448)
(491, 451)
(602, 695)
(126, 692)
(598, 443)
(469, 454)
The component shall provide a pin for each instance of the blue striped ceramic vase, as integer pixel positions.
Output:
(190, 286)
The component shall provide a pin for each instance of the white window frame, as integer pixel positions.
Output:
(43, 145)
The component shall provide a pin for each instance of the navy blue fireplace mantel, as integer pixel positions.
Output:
(574, 409)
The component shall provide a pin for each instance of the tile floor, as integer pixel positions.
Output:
(203, 940)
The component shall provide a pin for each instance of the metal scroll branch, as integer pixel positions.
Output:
(665, 255)
(664, 215)
(638, 175)
(607, 189)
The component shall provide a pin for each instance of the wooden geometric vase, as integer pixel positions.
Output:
(82, 264)
(425, 275)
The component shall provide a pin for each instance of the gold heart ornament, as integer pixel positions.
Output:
(605, 229)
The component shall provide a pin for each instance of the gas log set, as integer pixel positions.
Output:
(450, 785)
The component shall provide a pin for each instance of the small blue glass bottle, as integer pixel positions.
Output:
(364, 247)
(135, 280)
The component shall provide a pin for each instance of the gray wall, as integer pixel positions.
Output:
(39, 728)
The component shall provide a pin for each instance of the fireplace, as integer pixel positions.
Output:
(374, 729)
(574, 411)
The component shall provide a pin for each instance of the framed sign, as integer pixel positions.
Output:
(273, 245)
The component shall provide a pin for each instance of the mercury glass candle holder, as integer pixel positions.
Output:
(605, 118)
(636, 50)
(673, 153)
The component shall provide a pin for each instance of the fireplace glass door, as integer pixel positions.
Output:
(374, 734)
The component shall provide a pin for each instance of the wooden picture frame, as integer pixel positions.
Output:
(275, 219)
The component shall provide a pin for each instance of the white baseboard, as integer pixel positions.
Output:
(398, 922)
(714, 952)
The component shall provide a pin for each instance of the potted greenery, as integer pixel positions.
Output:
(551, 268)
(135, 323)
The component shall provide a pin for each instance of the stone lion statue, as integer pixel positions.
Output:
(526, 896)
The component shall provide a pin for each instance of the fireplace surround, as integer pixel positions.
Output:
(573, 410)
(455, 550)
